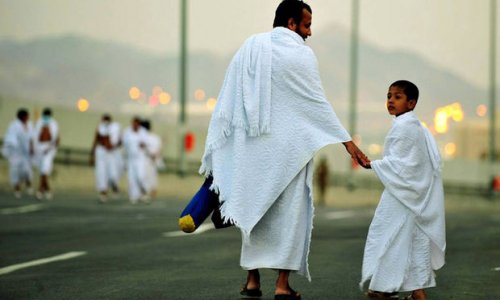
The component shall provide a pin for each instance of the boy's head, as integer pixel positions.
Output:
(402, 97)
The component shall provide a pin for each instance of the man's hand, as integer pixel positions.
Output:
(357, 154)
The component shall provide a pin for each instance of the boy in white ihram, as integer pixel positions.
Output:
(406, 240)
(46, 143)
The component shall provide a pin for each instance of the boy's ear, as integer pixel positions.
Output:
(412, 103)
(291, 24)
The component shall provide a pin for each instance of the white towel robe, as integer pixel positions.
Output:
(265, 181)
(108, 163)
(16, 148)
(45, 152)
(153, 146)
(136, 162)
(406, 240)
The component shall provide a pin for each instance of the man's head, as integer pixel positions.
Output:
(402, 97)
(295, 15)
(47, 112)
(106, 118)
(23, 115)
(136, 123)
(146, 124)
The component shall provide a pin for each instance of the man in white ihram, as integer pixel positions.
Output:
(18, 150)
(46, 143)
(106, 156)
(135, 141)
(271, 118)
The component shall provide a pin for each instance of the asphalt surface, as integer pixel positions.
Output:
(124, 252)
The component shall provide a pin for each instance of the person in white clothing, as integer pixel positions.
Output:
(18, 150)
(106, 156)
(406, 240)
(154, 159)
(271, 118)
(46, 143)
(135, 141)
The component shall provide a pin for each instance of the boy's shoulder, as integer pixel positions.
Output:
(409, 126)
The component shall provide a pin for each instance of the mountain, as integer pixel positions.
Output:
(60, 70)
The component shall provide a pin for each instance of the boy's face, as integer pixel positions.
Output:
(397, 101)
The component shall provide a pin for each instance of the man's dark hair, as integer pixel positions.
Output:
(410, 89)
(290, 9)
(146, 124)
(47, 112)
(106, 117)
(22, 113)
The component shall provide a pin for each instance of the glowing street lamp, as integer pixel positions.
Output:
(211, 102)
(134, 93)
(82, 105)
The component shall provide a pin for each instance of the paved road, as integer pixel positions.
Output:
(120, 251)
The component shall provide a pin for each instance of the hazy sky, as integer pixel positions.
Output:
(451, 33)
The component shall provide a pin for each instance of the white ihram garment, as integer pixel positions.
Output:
(271, 118)
(46, 151)
(16, 148)
(153, 146)
(108, 162)
(406, 240)
(136, 162)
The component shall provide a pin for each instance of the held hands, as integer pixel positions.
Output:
(357, 154)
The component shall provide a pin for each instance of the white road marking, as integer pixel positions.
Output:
(21, 209)
(42, 261)
(340, 215)
(496, 269)
(201, 229)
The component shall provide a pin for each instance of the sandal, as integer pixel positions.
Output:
(250, 293)
(381, 295)
(292, 296)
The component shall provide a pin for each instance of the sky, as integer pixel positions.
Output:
(453, 34)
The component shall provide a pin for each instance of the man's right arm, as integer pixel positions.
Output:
(357, 154)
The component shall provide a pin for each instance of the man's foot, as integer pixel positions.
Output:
(30, 191)
(17, 194)
(103, 198)
(382, 295)
(145, 199)
(253, 293)
(39, 195)
(416, 295)
(49, 196)
(289, 294)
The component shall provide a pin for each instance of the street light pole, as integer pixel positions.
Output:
(353, 80)
(492, 93)
(182, 88)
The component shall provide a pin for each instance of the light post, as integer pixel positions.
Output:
(353, 82)
(182, 89)
(492, 95)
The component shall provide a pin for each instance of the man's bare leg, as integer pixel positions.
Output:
(282, 284)
(419, 295)
(253, 279)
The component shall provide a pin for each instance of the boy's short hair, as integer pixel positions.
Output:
(410, 89)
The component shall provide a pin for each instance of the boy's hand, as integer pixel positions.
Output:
(357, 154)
